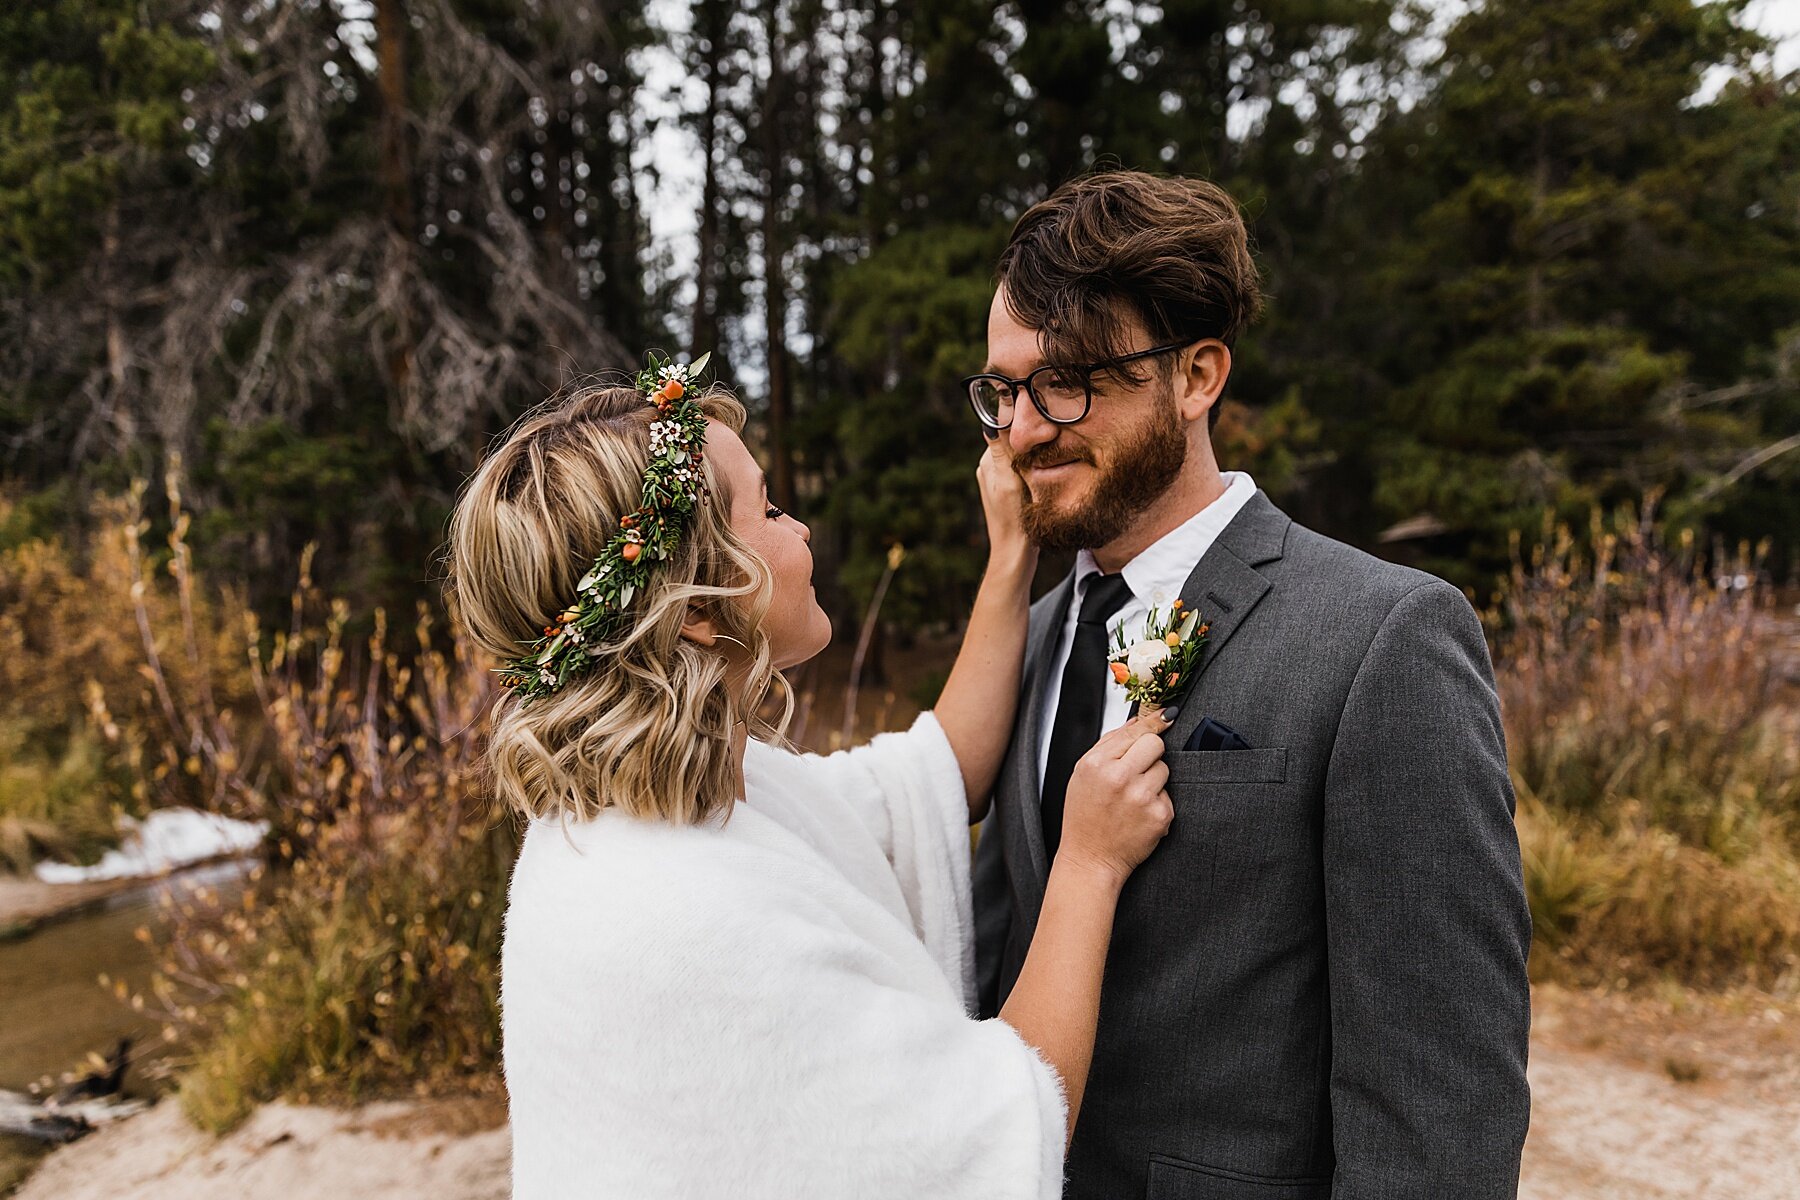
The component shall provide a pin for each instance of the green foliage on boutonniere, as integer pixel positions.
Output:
(1155, 668)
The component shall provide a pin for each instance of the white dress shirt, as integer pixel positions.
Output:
(1155, 577)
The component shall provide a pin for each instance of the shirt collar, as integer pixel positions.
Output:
(1164, 565)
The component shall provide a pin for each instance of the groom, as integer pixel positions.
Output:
(1316, 986)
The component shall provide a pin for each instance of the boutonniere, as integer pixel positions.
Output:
(1154, 669)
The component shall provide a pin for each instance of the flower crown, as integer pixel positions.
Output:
(674, 484)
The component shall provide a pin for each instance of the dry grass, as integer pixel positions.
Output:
(1654, 754)
(84, 734)
(365, 960)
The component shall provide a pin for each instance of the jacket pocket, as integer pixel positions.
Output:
(1265, 765)
(1174, 1179)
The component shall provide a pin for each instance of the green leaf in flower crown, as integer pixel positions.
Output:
(699, 364)
(552, 648)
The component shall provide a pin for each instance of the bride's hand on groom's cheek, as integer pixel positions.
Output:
(1002, 499)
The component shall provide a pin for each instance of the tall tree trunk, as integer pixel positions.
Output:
(705, 323)
(396, 187)
(618, 295)
(1540, 197)
(118, 355)
(781, 463)
(553, 236)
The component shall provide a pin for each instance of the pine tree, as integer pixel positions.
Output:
(1563, 269)
(93, 166)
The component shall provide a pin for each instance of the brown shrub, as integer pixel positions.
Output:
(1652, 747)
(87, 729)
(366, 960)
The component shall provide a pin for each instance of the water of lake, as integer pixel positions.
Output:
(53, 1010)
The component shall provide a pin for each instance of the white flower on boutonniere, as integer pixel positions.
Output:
(1155, 668)
(1145, 657)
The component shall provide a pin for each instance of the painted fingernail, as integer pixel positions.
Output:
(1169, 714)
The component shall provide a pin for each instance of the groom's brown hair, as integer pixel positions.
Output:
(1171, 251)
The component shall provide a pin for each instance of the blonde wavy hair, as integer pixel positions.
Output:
(648, 728)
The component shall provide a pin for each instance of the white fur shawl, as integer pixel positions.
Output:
(774, 1005)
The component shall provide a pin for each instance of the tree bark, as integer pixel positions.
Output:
(705, 324)
(395, 178)
(559, 261)
(781, 463)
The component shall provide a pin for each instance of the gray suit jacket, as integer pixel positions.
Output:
(1316, 986)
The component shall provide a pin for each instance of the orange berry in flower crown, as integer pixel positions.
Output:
(631, 550)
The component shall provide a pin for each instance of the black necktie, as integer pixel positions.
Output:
(1083, 697)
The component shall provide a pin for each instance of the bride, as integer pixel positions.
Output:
(731, 969)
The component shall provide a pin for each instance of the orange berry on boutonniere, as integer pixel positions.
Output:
(1172, 638)
(1120, 672)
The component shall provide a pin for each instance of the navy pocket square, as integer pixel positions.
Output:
(1214, 735)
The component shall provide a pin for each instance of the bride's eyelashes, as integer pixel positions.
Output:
(774, 513)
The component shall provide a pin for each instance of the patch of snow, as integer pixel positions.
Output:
(165, 840)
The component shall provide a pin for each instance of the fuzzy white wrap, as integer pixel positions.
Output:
(773, 1005)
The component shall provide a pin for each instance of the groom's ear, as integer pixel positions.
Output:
(1201, 378)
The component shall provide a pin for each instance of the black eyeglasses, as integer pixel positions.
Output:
(1062, 394)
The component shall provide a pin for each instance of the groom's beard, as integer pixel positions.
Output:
(1138, 471)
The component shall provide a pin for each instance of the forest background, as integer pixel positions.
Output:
(274, 274)
(317, 254)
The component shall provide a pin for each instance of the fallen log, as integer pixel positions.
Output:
(26, 1116)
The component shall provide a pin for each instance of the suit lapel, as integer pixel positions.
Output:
(1225, 587)
(1023, 812)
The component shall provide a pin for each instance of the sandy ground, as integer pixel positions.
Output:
(1678, 1095)
(1602, 1131)
(1634, 1098)
(371, 1153)
(26, 903)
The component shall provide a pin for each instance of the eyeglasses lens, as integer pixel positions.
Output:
(1063, 396)
(993, 401)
